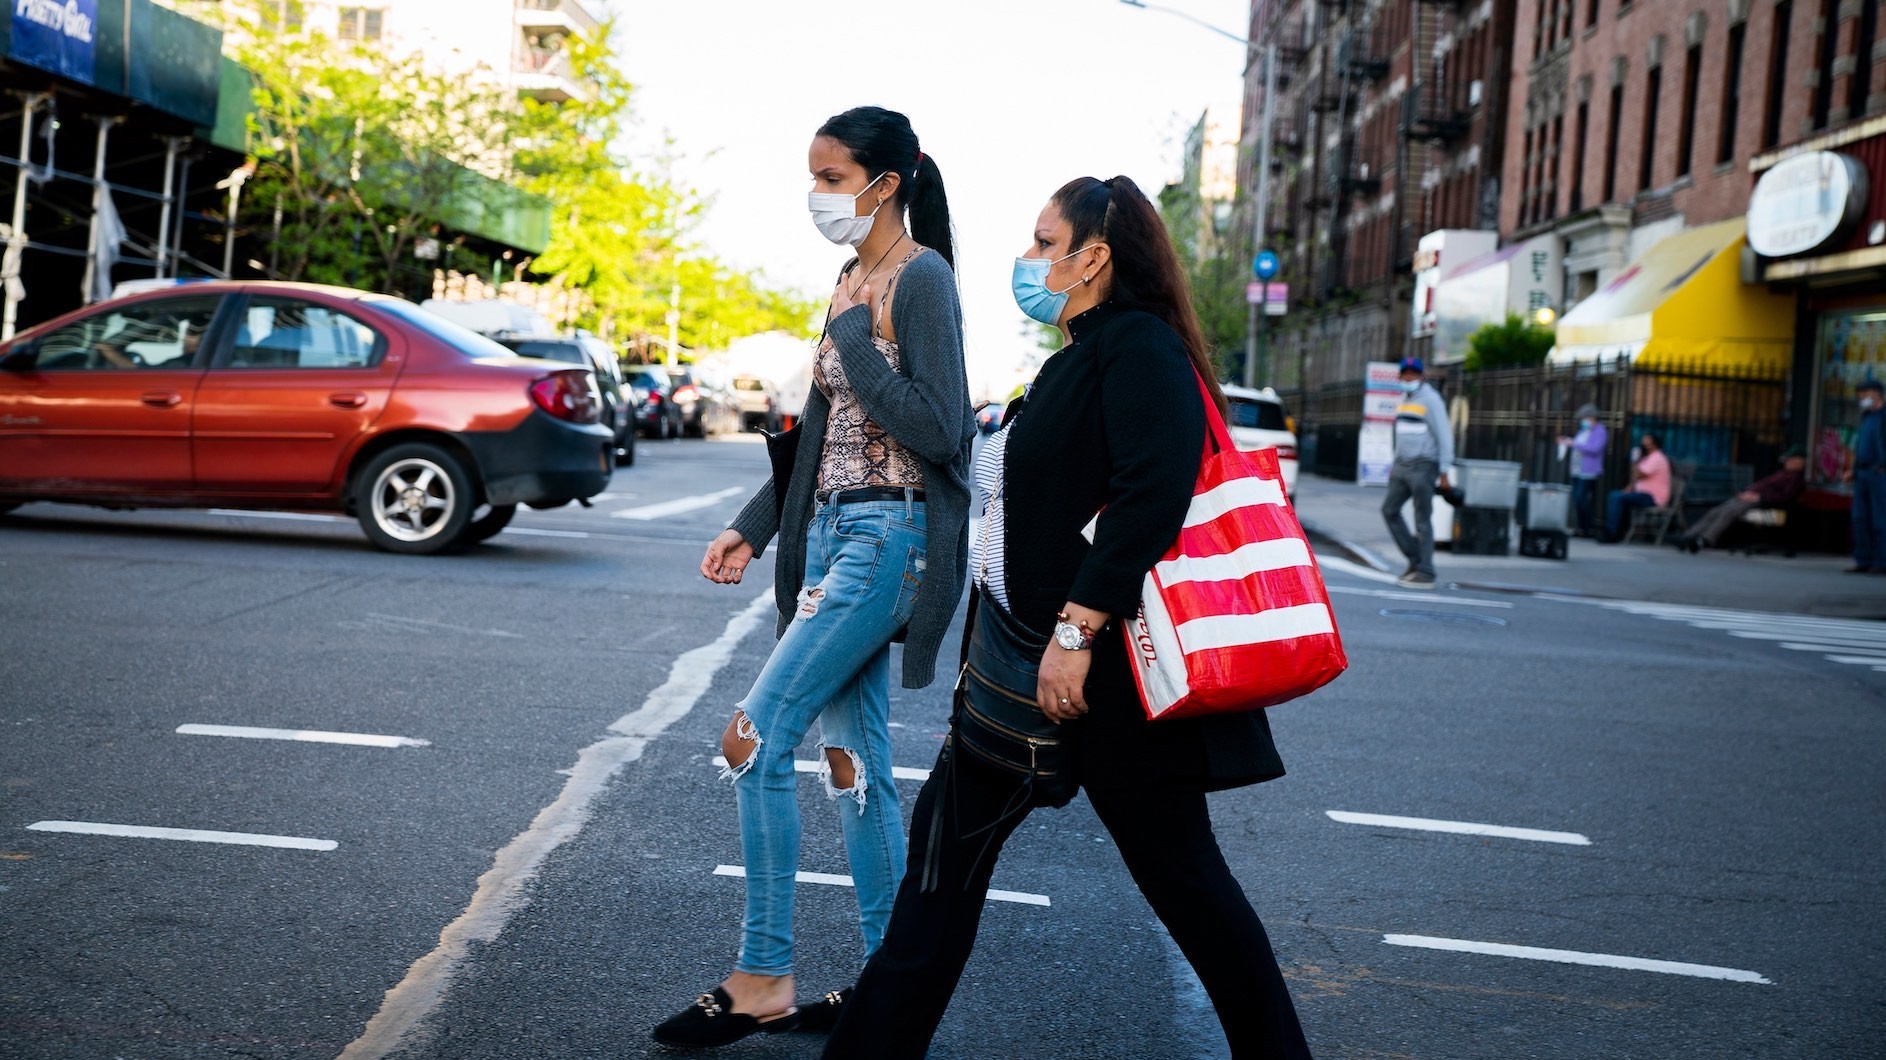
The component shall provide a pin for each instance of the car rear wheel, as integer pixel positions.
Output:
(487, 526)
(625, 455)
(414, 498)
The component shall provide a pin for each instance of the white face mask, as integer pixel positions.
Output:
(1869, 403)
(835, 214)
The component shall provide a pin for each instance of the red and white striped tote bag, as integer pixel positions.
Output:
(1235, 617)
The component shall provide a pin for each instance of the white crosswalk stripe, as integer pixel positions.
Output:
(1850, 642)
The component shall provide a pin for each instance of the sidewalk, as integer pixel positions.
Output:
(1348, 518)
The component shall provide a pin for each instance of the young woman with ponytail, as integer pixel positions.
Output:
(1113, 425)
(873, 528)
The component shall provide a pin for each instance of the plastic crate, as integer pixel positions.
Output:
(1544, 506)
(1483, 531)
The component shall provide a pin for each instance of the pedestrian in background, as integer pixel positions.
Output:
(1587, 454)
(1424, 448)
(1774, 491)
(1113, 425)
(1868, 476)
(1649, 488)
(873, 528)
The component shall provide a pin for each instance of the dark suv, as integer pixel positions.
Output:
(618, 412)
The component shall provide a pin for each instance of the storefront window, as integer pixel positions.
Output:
(1850, 349)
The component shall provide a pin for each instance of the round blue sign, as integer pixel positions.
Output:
(1264, 266)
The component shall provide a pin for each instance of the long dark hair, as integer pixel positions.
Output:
(1146, 271)
(882, 141)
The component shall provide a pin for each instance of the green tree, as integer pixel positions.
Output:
(1512, 343)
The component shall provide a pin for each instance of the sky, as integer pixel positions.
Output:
(1012, 99)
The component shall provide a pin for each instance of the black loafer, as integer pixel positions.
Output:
(711, 1021)
(822, 1015)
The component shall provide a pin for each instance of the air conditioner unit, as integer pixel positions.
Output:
(1473, 94)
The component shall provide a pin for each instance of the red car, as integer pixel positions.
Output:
(294, 396)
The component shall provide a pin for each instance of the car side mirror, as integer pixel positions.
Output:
(19, 358)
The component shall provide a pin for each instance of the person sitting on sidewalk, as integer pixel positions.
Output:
(1649, 488)
(1776, 491)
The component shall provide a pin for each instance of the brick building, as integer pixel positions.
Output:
(1388, 123)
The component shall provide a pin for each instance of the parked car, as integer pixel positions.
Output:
(703, 406)
(656, 413)
(1258, 421)
(758, 403)
(989, 417)
(593, 353)
(267, 396)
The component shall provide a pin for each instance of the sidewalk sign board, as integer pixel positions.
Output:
(1375, 442)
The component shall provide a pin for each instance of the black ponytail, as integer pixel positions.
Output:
(882, 141)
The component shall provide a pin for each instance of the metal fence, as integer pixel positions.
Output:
(1703, 413)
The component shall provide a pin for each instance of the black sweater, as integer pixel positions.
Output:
(1115, 425)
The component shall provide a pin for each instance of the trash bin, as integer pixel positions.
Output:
(1487, 483)
(1542, 513)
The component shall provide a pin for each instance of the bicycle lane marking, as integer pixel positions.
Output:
(496, 899)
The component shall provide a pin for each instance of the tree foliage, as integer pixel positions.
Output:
(361, 151)
(1512, 343)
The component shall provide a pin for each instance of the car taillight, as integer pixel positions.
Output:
(684, 392)
(569, 396)
(1286, 452)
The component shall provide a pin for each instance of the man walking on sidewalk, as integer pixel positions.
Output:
(1869, 482)
(1424, 444)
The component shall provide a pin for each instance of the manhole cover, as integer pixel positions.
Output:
(1452, 617)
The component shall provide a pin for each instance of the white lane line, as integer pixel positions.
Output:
(836, 880)
(803, 766)
(357, 739)
(1428, 824)
(1797, 634)
(1337, 563)
(1851, 660)
(186, 835)
(305, 517)
(502, 890)
(679, 505)
(1601, 960)
(543, 533)
(1426, 598)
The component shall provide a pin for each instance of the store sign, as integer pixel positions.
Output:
(1805, 203)
(56, 36)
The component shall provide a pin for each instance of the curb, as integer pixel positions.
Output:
(1351, 551)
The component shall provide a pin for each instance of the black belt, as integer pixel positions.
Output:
(871, 493)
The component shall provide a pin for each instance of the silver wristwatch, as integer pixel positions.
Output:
(1070, 636)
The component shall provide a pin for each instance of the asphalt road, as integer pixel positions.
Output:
(547, 874)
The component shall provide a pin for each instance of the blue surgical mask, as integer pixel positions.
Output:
(1030, 284)
(1409, 386)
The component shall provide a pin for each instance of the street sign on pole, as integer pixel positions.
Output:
(1265, 265)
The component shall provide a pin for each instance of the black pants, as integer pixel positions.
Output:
(1164, 834)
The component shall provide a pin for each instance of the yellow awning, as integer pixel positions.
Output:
(1683, 302)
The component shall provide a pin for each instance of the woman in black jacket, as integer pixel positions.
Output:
(1113, 424)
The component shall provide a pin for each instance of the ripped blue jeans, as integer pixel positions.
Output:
(864, 564)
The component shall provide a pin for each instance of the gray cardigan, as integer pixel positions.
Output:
(926, 408)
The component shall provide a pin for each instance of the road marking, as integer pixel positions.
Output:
(501, 890)
(358, 739)
(1428, 824)
(534, 532)
(679, 505)
(836, 880)
(305, 517)
(186, 835)
(803, 766)
(1601, 960)
(375, 620)
(1838, 640)
(1337, 563)
(1426, 597)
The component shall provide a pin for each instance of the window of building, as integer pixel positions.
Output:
(1591, 14)
(1577, 200)
(1777, 74)
(1540, 25)
(282, 15)
(1731, 95)
(1861, 83)
(1824, 67)
(361, 23)
(1647, 159)
(1611, 143)
(1558, 165)
(1692, 80)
